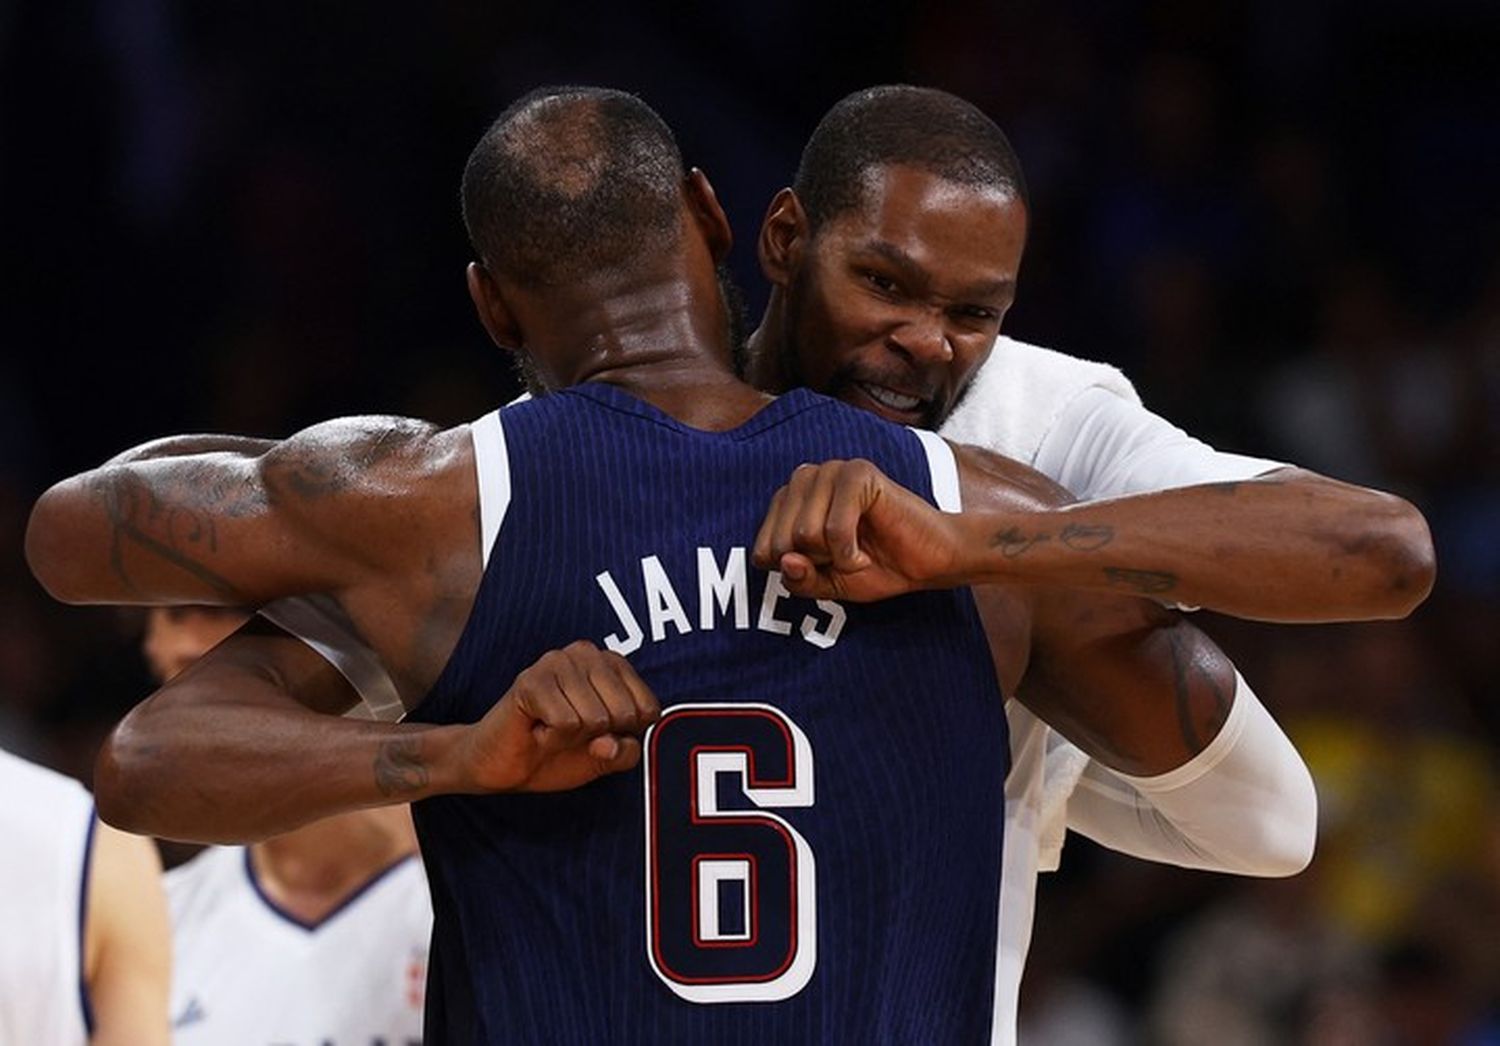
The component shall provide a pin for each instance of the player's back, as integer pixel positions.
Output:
(810, 850)
(46, 824)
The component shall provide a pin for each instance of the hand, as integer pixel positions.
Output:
(845, 530)
(574, 716)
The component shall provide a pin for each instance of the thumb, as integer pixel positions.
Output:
(613, 753)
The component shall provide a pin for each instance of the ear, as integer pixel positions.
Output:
(704, 203)
(783, 238)
(489, 303)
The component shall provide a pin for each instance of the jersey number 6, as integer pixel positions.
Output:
(731, 898)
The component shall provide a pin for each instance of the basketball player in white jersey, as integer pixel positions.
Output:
(868, 256)
(85, 954)
(1384, 542)
(318, 935)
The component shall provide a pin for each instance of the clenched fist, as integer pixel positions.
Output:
(574, 716)
(846, 530)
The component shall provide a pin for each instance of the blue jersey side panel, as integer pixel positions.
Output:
(542, 901)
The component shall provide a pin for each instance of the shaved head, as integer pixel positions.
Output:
(570, 182)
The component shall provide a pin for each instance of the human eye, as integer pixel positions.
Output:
(976, 313)
(879, 281)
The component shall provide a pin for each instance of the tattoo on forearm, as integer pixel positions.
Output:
(1146, 582)
(1012, 543)
(399, 769)
(1086, 537)
(171, 532)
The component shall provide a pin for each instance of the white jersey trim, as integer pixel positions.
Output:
(944, 468)
(320, 623)
(492, 470)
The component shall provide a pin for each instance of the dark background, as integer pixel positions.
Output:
(1279, 217)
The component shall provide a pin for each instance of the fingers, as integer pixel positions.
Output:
(817, 516)
(580, 692)
(613, 754)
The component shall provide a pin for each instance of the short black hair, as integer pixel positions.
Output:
(899, 124)
(569, 181)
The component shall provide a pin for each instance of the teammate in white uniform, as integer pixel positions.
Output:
(84, 950)
(251, 970)
(878, 298)
(1245, 803)
(313, 937)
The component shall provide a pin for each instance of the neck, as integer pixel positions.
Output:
(311, 871)
(664, 341)
(767, 368)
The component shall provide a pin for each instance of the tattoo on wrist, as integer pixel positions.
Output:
(1146, 582)
(1012, 543)
(399, 769)
(1086, 537)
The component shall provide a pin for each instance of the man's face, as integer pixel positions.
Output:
(897, 302)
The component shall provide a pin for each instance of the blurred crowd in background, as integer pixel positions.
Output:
(1279, 217)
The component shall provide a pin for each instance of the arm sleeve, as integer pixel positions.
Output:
(1103, 445)
(1245, 804)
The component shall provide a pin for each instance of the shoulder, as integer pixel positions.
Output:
(366, 453)
(40, 803)
(1020, 392)
(17, 773)
(195, 886)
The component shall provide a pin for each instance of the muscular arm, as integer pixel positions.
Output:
(845, 530)
(127, 942)
(1289, 546)
(248, 742)
(232, 520)
(1244, 804)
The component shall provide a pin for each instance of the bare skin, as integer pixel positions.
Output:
(380, 513)
(127, 952)
(905, 295)
(310, 871)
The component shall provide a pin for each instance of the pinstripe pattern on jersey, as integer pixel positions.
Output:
(540, 900)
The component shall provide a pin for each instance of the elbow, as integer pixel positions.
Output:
(1408, 561)
(1288, 833)
(125, 777)
(47, 547)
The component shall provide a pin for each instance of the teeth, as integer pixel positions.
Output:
(889, 398)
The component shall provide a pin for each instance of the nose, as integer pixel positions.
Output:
(923, 338)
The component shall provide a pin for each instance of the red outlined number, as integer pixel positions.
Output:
(731, 887)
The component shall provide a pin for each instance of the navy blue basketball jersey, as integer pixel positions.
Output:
(810, 849)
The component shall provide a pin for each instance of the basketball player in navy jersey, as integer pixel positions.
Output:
(811, 850)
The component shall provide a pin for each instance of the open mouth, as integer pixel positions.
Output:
(906, 406)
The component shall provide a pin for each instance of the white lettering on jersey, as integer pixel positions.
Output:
(720, 588)
(630, 628)
(662, 603)
(723, 596)
(828, 634)
(775, 593)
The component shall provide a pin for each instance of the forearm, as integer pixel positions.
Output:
(1245, 804)
(233, 757)
(1289, 547)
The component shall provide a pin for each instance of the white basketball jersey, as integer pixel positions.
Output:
(247, 972)
(46, 826)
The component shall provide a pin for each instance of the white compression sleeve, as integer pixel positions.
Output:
(1245, 804)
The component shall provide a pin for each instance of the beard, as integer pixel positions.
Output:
(526, 371)
(737, 320)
